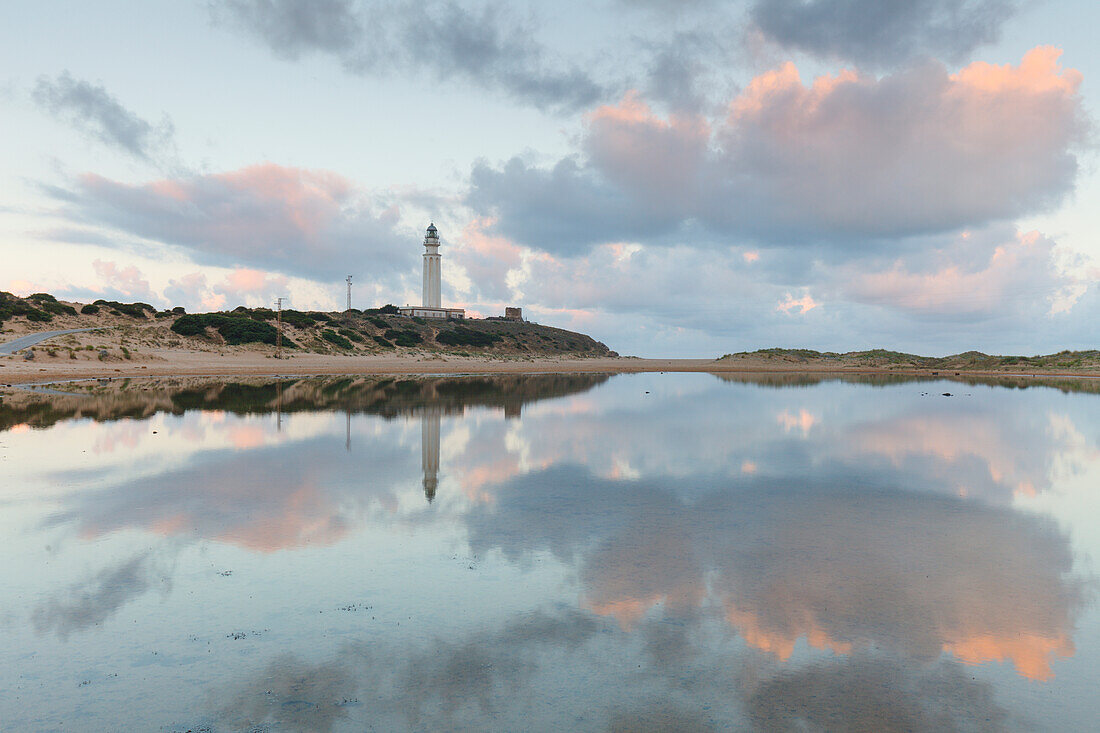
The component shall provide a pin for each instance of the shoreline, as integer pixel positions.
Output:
(201, 364)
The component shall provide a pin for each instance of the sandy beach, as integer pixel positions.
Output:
(164, 363)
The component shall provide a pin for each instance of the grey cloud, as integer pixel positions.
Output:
(93, 110)
(484, 47)
(291, 28)
(867, 693)
(883, 32)
(564, 209)
(92, 602)
(446, 683)
(297, 694)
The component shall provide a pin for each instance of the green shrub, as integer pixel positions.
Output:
(353, 335)
(298, 319)
(320, 317)
(418, 319)
(134, 310)
(405, 337)
(382, 342)
(38, 316)
(89, 310)
(462, 336)
(42, 297)
(379, 322)
(234, 329)
(332, 337)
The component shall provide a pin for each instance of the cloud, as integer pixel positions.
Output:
(1019, 277)
(291, 220)
(850, 160)
(486, 47)
(803, 304)
(128, 282)
(873, 693)
(916, 601)
(94, 111)
(882, 32)
(92, 602)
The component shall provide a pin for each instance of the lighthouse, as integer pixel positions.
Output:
(432, 302)
(432, 290)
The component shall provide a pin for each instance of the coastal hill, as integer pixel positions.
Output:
(883, 360)
(138, 331)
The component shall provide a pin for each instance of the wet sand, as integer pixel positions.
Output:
(172, 363)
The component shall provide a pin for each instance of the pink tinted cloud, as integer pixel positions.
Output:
(128, 281)
(789, 303)
(262, 216)
(1018, 273)
(846, 157)
(912, 151)
(658, 159)
(487, 258)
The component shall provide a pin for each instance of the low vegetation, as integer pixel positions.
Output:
(234, 329)
(145, 329)
(966, 361)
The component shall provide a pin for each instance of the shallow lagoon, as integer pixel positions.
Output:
(586, 552)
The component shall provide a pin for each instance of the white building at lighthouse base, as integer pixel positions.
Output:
(423, 311)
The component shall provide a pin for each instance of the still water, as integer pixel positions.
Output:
(581, 552)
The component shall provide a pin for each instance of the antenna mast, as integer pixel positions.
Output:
(279, 329)
(349, 292)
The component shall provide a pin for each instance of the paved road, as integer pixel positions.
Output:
(33, 338)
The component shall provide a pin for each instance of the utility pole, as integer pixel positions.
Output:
(279, 329)
(349, 292)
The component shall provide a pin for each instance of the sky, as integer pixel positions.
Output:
(674, 178)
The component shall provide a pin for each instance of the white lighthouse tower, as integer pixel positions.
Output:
(432, 306)
(432, 297)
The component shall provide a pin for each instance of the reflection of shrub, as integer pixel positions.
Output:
(335, 338)
(462, 336)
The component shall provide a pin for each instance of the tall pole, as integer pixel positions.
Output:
(279, 329)
(349, 292)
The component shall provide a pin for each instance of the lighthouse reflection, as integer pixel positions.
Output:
(430, 418)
